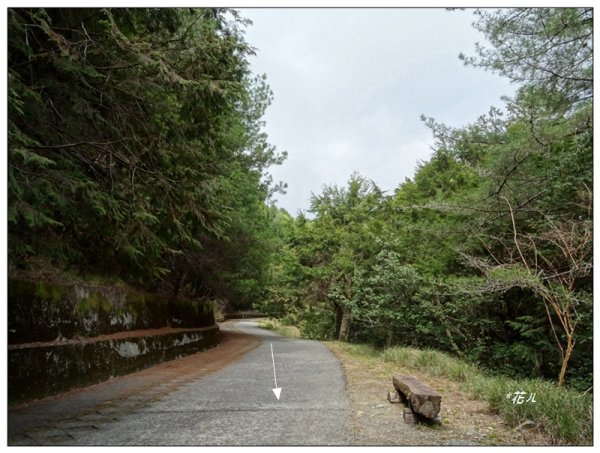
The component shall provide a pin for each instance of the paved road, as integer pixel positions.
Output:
(232, 406)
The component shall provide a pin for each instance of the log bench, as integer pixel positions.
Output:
(421, 398)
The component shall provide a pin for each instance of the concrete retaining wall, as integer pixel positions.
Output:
(42, 369)
(66, 336)
(46, 311)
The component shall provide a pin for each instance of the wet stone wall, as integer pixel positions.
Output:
(66, 336)
(39, 370)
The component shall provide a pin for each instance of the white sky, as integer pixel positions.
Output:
(350, 85)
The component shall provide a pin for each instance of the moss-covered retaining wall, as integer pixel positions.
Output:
(42, 369)
(63, 336)
(47, 311)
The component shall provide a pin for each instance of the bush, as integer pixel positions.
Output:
(280, 327)
(317, 323)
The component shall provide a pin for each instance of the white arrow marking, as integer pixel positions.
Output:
(276, 390)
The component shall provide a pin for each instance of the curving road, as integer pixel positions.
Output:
(232, 406)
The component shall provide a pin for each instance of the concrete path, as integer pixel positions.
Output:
(232, 406)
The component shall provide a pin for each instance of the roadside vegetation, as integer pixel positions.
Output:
(282, 329)
(564, 414)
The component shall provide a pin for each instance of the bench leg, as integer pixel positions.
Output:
(394, 397)
(409, 416)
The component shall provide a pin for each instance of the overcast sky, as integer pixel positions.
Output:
(350, 85)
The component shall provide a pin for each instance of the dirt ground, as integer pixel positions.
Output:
(376, 421)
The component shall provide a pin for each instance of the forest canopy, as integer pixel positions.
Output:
(136, 150)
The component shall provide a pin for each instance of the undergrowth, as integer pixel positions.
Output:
(562, 413)
(281, 329)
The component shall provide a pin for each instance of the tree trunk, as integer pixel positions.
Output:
(564, 316)
(177, 285)
(338, 318)
(565, 360)
(345, 324)
(452, 343)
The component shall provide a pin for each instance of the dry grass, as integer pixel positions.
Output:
(558, 417)
(466, 420)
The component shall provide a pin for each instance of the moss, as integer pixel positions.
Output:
(43, 312)
(37, 311)
(135, 300)
(94, 302)
(50, 292)
(24, 292)
(190, 313)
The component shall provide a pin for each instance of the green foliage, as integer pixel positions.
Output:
(548, 47)
(281, 329)
(564, 414)
(384, 302)
(317, 323)
(135, 148)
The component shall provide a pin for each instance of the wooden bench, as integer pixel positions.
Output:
(421, 398)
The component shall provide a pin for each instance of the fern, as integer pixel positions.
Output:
(29, 157)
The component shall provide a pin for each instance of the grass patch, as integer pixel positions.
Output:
(563, 414)
(282, 329)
